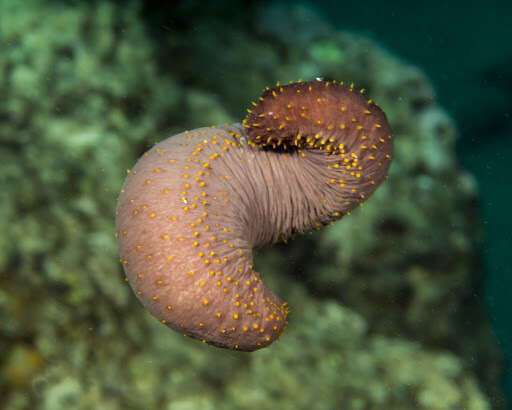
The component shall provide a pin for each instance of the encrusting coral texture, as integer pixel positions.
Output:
(196, 204)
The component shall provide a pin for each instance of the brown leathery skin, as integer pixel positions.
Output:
(196, 204)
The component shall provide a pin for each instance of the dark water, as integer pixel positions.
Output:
(465, 48)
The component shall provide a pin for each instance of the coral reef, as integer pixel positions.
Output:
(384, 317)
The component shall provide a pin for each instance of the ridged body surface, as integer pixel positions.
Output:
(196, 204)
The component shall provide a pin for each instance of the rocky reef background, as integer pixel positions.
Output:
(386, 310)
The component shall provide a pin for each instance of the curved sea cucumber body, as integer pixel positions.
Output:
(184, 242)
(196, 204)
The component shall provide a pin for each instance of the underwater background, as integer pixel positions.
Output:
(405, 304)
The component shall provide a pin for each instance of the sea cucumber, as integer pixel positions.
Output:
(196, 204)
